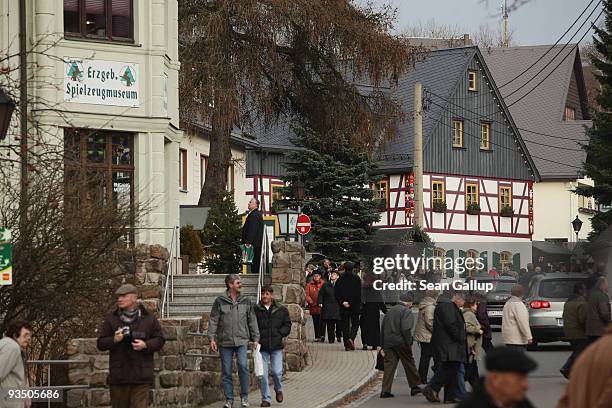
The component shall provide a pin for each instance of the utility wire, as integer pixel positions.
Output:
(529, 141)
(498, 122)
(551, 47)
(508, 148)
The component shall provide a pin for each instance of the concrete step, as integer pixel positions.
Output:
(196, 290)
(206, 280)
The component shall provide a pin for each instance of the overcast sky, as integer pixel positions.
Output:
(538, 22)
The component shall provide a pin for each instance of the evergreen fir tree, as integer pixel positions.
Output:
(221, 237)
(338, 197)
(599, 150)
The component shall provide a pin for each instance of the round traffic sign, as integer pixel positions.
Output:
(303, 224)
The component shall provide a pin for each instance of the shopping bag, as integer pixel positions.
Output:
(380, 361)
(258, 362)
(247, 254)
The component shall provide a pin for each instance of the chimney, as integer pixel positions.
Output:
(466, 39)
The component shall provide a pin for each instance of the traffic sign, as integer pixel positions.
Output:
(303, 224)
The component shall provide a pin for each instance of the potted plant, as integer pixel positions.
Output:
(473, 209)
(506, 211)
(439, 206)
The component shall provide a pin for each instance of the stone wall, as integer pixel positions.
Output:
(288, 280)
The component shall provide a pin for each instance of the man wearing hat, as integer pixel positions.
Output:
(505, 384)
(396, 341)
(131, 334)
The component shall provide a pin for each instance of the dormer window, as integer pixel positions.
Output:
(570, 113)
(472, 81)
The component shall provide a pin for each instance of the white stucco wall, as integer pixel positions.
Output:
(154, 122)
(555, 207)
(197, 145)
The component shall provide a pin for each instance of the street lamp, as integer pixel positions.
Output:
(287, 221)
(7, 106)
(577, 224)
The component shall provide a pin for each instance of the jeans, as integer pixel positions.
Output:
(227, 354)
(461, 391)
(276, 357)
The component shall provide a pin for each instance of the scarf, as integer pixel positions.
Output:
(129, 317)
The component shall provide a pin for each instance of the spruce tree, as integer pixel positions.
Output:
(221, 237)
(599, 150)
(338, 198)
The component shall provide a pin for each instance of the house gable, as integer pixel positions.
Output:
(576, 93)
(506, 157)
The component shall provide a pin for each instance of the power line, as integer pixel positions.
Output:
(552, 47)
(503, 124)
(508, 148)
(536, 143)
(554, 69)
(557, 54)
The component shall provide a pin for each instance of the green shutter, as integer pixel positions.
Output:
(462, 256)
(496, 261)
(485, 260)
(449, 272)
(516, 262)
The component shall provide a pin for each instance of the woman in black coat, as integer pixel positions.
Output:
(370, 313)
(330, 309)
(348, 294)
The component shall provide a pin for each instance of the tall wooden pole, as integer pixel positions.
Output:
(23, 110)
(418, 154)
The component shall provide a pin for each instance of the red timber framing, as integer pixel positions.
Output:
(264, 196)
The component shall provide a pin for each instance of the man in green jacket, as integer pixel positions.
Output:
(397, 345)
(574, 325)
(231, 326)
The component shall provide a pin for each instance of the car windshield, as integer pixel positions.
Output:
(557, 288)
(499, 285)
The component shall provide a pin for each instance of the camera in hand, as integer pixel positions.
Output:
(127, 333)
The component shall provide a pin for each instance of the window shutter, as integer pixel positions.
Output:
(450, 273)
(496, 261)
(462, 256)
(516, 262)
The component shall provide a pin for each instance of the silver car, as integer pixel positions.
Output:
(545, 300)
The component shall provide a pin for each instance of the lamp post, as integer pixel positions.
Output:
(287, 221)
(7, 106)
(576, 225)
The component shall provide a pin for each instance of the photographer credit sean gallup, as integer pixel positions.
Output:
(422, 284)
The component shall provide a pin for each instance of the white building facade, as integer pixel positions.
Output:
(109, 70)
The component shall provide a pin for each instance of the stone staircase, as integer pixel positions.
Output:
(194, 294)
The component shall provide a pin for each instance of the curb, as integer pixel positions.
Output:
(354, 390)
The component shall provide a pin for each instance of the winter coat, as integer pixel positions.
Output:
(515, 322)
(253, 228)
(327, 298)
(474, 333)
(424, 325)
(233, 324)
(397, 327)
(479, 398)
(590, 384)
(598, 312)
(128, 366)
(574, 318)
(483, 319)
(312, 297)
(274, 324)
(448, 339)
(348, 289)
(12, 371)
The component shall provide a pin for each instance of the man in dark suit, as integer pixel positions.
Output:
(348, 294)
(252, 232)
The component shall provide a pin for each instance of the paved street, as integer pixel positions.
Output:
(546, 383)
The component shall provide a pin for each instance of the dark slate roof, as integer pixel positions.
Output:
(542, 110)
(439, 71)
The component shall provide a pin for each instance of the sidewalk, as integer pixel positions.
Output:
(332, 374)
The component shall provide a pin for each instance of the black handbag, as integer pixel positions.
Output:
(380, 361)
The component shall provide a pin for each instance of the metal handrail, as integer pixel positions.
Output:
(263, 264)
(165, 309)
(59, 362)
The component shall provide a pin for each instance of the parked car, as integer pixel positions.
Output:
(497, 297)
(545, 299)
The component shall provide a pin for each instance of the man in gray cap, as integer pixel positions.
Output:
(132, 334)
(505, 384)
